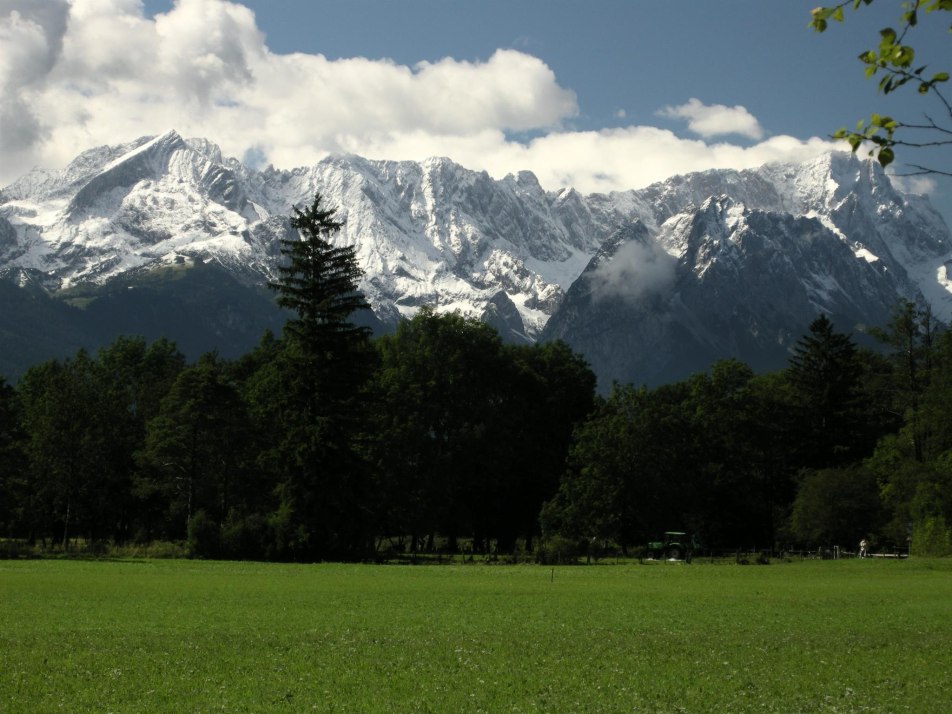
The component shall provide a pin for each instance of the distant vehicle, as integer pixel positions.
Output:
(676, 545)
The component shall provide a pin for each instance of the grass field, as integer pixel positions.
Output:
(187, 636)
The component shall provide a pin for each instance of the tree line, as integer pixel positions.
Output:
(325, 443)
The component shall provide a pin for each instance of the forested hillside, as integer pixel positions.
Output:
(456, 436)
(324, 443)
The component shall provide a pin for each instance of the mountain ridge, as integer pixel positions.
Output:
(434, 233)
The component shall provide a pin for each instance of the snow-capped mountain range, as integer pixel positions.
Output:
(761, 250)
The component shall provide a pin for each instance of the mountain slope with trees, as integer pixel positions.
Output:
(165, 237)
(325, 444)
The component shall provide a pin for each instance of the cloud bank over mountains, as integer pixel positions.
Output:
(92, 72)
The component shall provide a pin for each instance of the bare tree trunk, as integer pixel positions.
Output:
(69, 503)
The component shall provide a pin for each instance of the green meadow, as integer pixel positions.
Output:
(194, 636)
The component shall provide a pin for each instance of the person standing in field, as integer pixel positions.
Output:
(863, 548)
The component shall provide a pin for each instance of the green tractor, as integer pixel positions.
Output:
(676, 545)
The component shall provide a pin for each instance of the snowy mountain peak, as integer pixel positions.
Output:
(722, 209)
(728, 281)
(208, 149)
(435, 233)
(151, 160)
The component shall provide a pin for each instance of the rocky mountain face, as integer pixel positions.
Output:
(649, 284)
(430, 233)
(737, 264)
(722, 281)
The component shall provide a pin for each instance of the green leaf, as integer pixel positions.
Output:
(903, 55)
(924, 88)
(940, 77)
(886, 156)
(868, 57)
(819, 16)
(838, 14)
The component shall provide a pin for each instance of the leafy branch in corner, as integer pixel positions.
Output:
(894, 62)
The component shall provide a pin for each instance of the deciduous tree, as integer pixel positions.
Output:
(194, 457)
(12, 462)
(895, 63)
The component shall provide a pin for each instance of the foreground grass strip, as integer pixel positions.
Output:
(846, 636)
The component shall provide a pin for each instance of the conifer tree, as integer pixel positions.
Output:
(326, 361)
(825, 376)
(319, 282)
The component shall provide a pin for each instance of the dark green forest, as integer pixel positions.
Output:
(326, 443)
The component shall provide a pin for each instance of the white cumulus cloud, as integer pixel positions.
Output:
(84, 73)
(715, 119)
(31, 39)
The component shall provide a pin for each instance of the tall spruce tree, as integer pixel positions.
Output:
(326, 361)
(319, 283)
(825, 375)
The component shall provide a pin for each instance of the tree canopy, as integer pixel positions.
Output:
(326, 444)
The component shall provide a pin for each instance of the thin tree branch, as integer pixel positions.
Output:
(924, 170)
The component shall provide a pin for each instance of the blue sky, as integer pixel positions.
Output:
(631, 55)
(603, 94)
